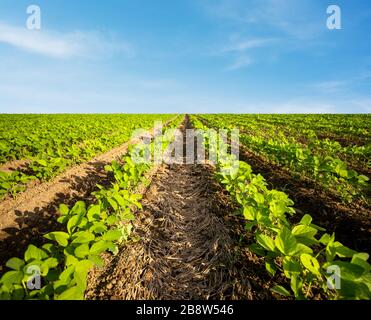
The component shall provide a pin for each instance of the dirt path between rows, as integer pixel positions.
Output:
(14, 165)
(188, 247)
(25, 219)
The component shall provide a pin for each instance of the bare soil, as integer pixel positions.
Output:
(20, 165)
(188, 245)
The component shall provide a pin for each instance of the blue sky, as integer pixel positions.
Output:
(245, 56)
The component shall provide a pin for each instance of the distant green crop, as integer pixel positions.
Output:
(52, 143)
(279, 140)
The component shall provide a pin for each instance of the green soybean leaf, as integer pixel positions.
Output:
(127, 216)
(306, 220)
(82, 250)
(98, 227)
(317, 227)
(355, 290)
(113, 203)
(78, 208)
(12, 277)
(112, 235)
(361, 260)
(112, 247)
(48, 247)
(15, 264)
(62, 219)
(50, 263)
(302, 248)
(99, 247)
(259, 198)
(34, 253)
(361, 255)
(326, 239)
(249, 213)
(281, 290)
(66, 275)
(120, 200)
(73, 222)
(81, 272)
(363, 177)
(73, 293)
(94, 213)
(84, 266)
(18, 292)
(83, 237)
(343, 251)
(257, 249)
(271, 267)
(304, 231)
(310, 263)
(108, 168)
(63, 209)
(111, 220)
(290, 266)
(265, 241)
(42, 162)
(59, 236)
(285, 242)
(296, 284)
(349, 271)
(96, 259)
(5, 295)
(71, 260)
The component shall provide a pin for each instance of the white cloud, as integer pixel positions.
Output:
(247, 44)
(59, 45)
(239, 63)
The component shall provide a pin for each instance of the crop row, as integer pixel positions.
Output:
(333, 125)
(303, 132)
(313, 262)
(51, 143)
(329, 171)
(59, 268)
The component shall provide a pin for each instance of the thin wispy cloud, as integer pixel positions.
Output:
(63, 45)
(330, 86)
(300, 19)
(244, 50)
(295, 26)
(247, 44)
(334, 86)
(280, 27)
(239, 63)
